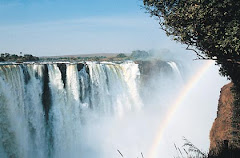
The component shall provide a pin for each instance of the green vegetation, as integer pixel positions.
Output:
(140, 54)
(73, 58)
(135, 55)
(121, 55)
(210, 28)
(15, 58)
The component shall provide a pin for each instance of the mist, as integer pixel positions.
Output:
(135, 132)
(112, 107)
(98, 109)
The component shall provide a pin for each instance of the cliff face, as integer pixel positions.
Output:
(152, 67)
(226, 125)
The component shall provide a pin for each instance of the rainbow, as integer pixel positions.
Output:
(173, 108)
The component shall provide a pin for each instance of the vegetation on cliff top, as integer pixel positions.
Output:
(16, 58)
(135, 55)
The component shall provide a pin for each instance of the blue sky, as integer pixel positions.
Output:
(58, 27)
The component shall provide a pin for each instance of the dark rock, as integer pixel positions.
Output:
(80, 66)
(63, 68)
(46, 96)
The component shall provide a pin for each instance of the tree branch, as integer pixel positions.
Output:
(198, 54)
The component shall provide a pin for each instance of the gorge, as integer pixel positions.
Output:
(85, 109)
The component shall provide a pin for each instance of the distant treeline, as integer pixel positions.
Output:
(17, 58)
(95, 58)
(135, 55)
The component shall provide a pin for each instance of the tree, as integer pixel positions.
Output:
(1, 59)
(121, 55)
(211, 28)
(139, 54)
(14, 57)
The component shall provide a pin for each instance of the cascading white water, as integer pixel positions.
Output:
(118, 87)
(175, 69)
(22, 118)
(42, 105)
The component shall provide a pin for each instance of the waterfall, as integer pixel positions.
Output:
(43, 105)
(117, 87)
(22, 119)
(175, 69)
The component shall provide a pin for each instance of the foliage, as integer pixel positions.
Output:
(193, 151)
(16, 58)
(211, 28)
(139, 54)
(188, 150)
(121, 55)
(74, 58)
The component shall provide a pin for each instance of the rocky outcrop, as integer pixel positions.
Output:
(225, 128)
(152, 67)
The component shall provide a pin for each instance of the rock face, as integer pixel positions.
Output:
(152, 67)
(226, 126)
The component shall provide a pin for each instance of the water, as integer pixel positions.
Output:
(46, 110)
